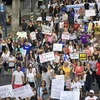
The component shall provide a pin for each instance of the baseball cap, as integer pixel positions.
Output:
(91, 91)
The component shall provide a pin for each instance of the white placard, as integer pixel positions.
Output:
(46, 57)
(46, 29)
(21, 35)
(48, 18)
(33, 35)
(57, 47)
(23, 92)
(24, 52)
(66, 36)
(74, 55)
(70, 95)
(60, 77)
(39, 19)
(56, 88)
(90, 13)
(6, 91)
(72, 37)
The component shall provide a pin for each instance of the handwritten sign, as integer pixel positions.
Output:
(47, 57)
(60, 77)
(82, 56)
(23, 92)
(66, 36)
(57, 47)
(70, 95)
(57, 87)
(21, 35)
(6, 91)
(33, 35)
(74, 55)
(90, 13)
(46, 29)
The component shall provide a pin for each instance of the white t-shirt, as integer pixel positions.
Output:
(18, 77)
(11, 61)
(76, 86)
(30, 77)
(93, 98)
(5, 57)
(61, 24)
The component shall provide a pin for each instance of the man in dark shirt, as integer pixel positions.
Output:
(31, 27)
(24, 25)
(86, 5)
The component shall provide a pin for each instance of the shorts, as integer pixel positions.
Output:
(17, 85)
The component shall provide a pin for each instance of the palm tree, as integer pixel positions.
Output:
(15, 16)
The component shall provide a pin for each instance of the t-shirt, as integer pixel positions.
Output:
(98, 68)
(84, 39)
(11, 61)
(18, 77)
(27, 48)
(76, 86)
(93, 98)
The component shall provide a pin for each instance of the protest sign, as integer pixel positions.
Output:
(46, 57)
(39, 19)
(82, 56)
(60, 77)
(23, 92)
(46, 29)
(66, 36)
(48, 18)
(57, 47)
(74, 55)
(6, 91)
(73, 37)
(56, 88)
(90, 13)
(70, 95)
(33, 35)
(21, 35)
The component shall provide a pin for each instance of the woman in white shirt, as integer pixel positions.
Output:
(31, 76)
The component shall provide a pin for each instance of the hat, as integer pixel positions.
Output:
(91, 91)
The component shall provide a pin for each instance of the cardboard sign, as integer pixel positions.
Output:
(89, 13)
(57, 87)
(74, 55)
(57, 47)
(23, 92)
(46, 29)
(21, 35)
(70, 95)
(33, 35)
(66, 36)
(6, 91)
(46, 57)
(82, 56)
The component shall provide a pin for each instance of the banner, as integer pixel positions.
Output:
(74, 55)
(21, 35)
(82, 56)
(56, 88)
(46, 29)
(23, 92)
(33, 35)
(57, 47)
(70, 95)
(89, 13)
(46, 57)
(77, 6)
(6, 91)
(66, 36)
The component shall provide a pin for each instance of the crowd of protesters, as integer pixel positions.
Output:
(79, 75)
